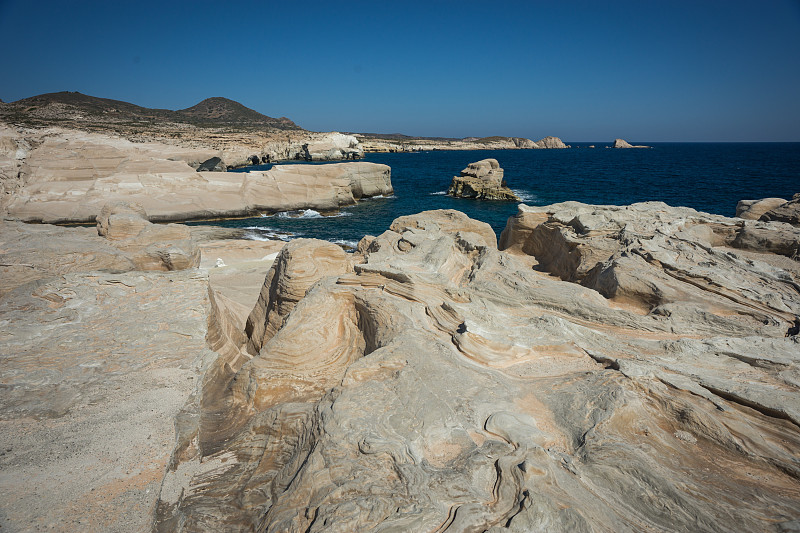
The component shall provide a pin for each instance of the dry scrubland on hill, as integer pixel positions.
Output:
(611, 369)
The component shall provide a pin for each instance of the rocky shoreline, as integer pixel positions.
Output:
(614, 368)
(621, 368)
(67, 176)
(418, 144)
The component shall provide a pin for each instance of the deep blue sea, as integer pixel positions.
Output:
(709, 177)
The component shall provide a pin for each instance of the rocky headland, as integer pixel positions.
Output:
(482, 180)
(403, 143)
(602, 368)
(56, 175)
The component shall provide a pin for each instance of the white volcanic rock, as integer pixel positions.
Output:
(656, 257)
(370, 144)
(14, 150)
(445, 221)
(521, 142)
(300, 264)
(103, 366)
(122, 242)
(621, 143)
(29, 252)
(333, 146)
(444, 385)
(72, 175)
(98, 369)
(550, 142)
(150, 246)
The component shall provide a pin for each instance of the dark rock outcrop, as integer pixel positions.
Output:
(214, 164)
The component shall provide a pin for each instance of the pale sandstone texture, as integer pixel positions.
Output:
(482, 180)
(150, 246)
(68, 176)
(638, 378)
(102, 363)
(14, 150)
(124, 240)
(97, 368)
(754, 209)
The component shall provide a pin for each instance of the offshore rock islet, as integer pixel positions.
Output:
(482, 180)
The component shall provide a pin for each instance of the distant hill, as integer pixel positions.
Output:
(67, 105)
(224, 110)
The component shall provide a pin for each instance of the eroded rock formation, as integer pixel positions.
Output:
(753, 209)
(788, 212)
(150, 246)
(99, 360)
(69, 176)
(638, 377)
(482, 180)
(550, 143)
(334, 146)
(123, 241)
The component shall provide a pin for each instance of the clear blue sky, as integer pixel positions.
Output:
(644, 71)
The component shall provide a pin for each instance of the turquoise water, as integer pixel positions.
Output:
(710, 177)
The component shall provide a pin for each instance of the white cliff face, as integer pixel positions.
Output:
(333, 146)
(70, 176)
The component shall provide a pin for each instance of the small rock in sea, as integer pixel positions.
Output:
(482, 180)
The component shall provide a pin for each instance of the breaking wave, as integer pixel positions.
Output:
(259, 233)
(309, 213)
(525, 196)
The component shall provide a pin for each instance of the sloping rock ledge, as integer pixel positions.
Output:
(607, 368)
